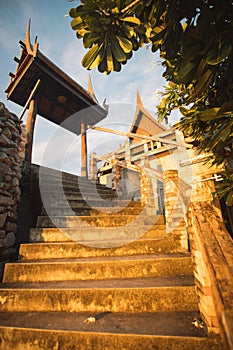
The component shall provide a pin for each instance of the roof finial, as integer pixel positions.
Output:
(138, 99)
(32, 50)
(90, 88)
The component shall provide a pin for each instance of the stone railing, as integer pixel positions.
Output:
(195, 217)
(11, 157)
(212, 253)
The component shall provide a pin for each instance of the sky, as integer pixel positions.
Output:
(58, 42)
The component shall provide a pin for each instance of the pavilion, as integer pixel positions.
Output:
(43, 88)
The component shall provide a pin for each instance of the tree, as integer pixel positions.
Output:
(195, 39)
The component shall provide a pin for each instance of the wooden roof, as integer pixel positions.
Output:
(144, 123)
(61, 99)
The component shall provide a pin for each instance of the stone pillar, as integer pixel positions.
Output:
(83, 150)
(175, 209)
(93, 169)
(127, 151)
(30, 124)
(146, 190)
(116, 176)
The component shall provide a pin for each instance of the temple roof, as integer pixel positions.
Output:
(143, 122)
(60, 97)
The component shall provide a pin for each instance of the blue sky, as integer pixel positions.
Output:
(58, 42)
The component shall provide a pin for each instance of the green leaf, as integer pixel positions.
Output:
(218, 52)
(95, 63)
(185, 70)
(157, 34)
(117, 51)
(98, 58)
(81, 32)
(125, 44)
(102, 67)
(135, 44)
(201, 68)
(109, 59)
(209, 114)
(94, 26)
(73, 12)
(141, 29)
(128, 30)
(229, 200)
(226, 108)
(90, 38)
(203, 83)
(76, 23)
(133, 20)
(129, 55)
(90, 56)
(221, 135)
(117, 65)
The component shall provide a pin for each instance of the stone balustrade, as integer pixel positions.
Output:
(211, 248)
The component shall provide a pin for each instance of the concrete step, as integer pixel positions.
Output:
(52, 177)
(49, 172)
(51, 197)
(66, 250)
(86, 210)
(80, 184)
(173, 293)
(72, 181)
(126, 331)
(70, 189)
(92, 202)
(107, 237)
(83, 186)
(94, 268)
(76, 193)
(110, 220)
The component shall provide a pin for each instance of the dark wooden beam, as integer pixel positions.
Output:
(16, 59)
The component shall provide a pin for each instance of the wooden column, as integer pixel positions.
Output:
(30, 124)
(83, 150)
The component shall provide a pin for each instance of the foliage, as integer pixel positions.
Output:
(195, 39)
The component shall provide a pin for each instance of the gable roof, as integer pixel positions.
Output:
(143, 122)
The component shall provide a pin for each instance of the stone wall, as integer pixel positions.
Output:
(11, 157)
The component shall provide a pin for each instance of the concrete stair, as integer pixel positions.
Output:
(138, 289)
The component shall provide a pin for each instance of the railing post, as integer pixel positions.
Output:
(175, 209)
